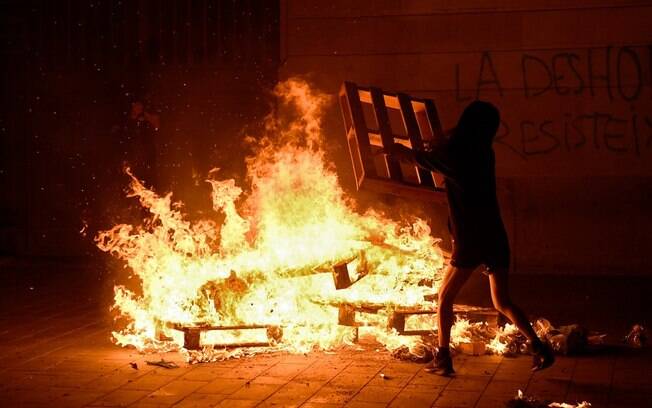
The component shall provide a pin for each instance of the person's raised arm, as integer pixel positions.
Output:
(438, 159)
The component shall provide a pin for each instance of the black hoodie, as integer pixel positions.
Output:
(467, 162)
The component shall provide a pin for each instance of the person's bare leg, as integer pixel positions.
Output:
(543, 356)
(502, 302)
(453, 282)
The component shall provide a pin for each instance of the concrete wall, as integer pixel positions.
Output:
(572, 81)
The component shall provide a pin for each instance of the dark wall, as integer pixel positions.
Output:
(74, 74)
(571, 78)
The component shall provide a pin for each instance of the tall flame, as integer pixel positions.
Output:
(265, 263)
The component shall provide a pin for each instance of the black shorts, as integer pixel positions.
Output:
(494, 257)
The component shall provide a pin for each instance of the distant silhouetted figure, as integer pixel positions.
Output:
(467, 162)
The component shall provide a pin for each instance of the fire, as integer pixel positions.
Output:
(499, 344)
(269, 261)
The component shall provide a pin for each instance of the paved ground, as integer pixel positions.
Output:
(55, 352)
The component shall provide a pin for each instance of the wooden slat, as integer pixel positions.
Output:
(208, 327)
(433, 119)
(369, 307)
(385, 129)
(391, 99)
(414, 134)
(376, 140)
(242, 345)
(352, 99)
(192, 334)
(437, 136)
(410, 121)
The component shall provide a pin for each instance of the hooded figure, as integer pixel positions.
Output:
(467, 162)
(477, 126)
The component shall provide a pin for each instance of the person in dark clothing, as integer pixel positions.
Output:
(467, 162)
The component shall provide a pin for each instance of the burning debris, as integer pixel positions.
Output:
(471, 338)
(482, 337)
(522, 401)
(570, 339)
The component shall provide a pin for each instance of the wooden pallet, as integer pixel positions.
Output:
(347, 315)
(192, 335)
(399, 316)
(368, 117)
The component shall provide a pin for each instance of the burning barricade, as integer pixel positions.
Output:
(287, 254)
(292, 264)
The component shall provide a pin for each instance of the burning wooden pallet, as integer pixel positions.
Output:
(343, 278)
(192, 334)
(347, 315)
(373, 120)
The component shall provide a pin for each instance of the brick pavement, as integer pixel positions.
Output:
(55, 352)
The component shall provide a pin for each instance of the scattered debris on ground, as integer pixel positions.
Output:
(522, 401)
(163, 363)
(477, 338)
(421, 353)
(568, 340)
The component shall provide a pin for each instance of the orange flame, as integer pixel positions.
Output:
(265, 263)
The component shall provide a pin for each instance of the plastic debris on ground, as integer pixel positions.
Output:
(522, 401)
(567, 340)
(421, 353)
(481, 338)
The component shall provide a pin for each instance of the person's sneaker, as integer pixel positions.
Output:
(543, 357)
(442, 364)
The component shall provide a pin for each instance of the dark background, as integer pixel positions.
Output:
(71, 72)
(571, 78)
